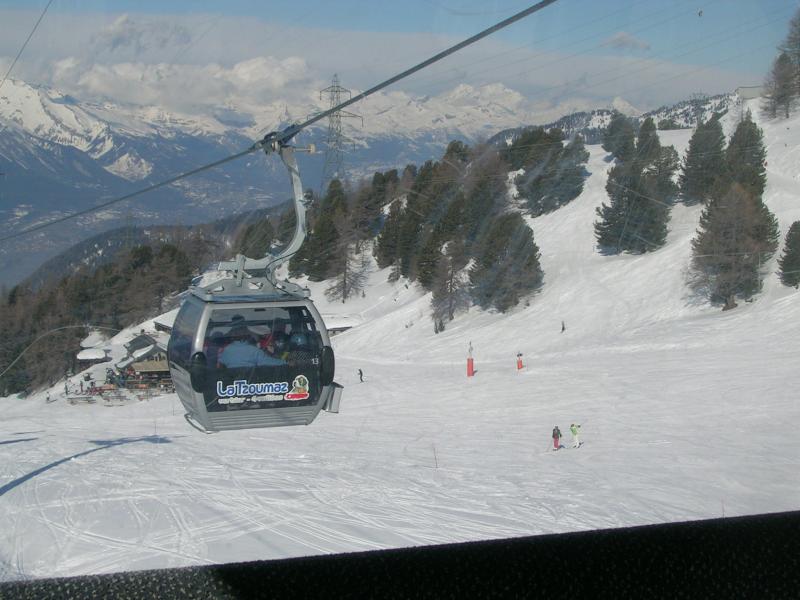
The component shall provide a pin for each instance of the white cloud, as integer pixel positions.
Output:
(207, 63)
(184, 87)
(137, 36)
(625, 41)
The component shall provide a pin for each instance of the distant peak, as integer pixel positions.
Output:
(625, 107)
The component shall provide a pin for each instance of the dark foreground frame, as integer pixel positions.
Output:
(743, 557)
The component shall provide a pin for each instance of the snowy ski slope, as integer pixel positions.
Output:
(687, 413)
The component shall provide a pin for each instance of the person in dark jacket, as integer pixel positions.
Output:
(361, 375)
(556, 437)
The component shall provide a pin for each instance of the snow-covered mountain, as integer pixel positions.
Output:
(591, 125)
(686, 413)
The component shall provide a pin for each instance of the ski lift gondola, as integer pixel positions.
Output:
(247, 350)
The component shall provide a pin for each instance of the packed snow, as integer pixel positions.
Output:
(687, 412)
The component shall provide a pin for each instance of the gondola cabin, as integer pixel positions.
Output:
(252, 363)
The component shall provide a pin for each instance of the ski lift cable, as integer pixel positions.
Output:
(275, 139)
(128, 196)
(30, 35)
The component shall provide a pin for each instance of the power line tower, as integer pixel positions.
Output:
(335, 140)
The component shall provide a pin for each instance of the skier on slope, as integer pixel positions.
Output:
(361, 375)
(575, 430)
(556, 437)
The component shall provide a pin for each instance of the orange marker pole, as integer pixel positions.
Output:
(470, 367)
(519, 363)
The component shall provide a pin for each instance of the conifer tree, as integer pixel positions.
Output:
(350, 277)
(704, 164)
(790, 261)
(619, 139)
(611, 228)
(745, 156)
(737, 235)
(428, 259)
(791, 46)
(485, 193)
(386, 248)
(532, 147)
(780, 87)
(641, 192)
(335, 200)
(450, 286)
(556, 179)
(648, 146)
(322, 247)
(507, 267)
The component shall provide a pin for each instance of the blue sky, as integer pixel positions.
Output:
(571, 20)
(561, 25)
(568, 50)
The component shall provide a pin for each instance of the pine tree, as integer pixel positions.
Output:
(745, 156)
(790, 261)
(350, 278)
(322, 247)
(335, 200)
(532, 147)
(791, 46)
(612, 227)
(780, 87)
(485, 193)
(507, 267)
(648, 146)
(619, 137)
(386, 248)
(641, 192)
(428, 259)
(556, 179)
(450, 286)
(737, 235)
(704, 164)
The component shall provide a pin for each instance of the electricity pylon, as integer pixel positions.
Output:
(335, 140)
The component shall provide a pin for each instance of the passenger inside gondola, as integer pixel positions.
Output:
(243, 352)
(277, 345)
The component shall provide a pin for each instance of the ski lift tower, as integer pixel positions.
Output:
(335, 141)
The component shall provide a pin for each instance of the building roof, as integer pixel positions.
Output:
(92, 354)
(143, 352)
(166, 321)
(140, 341)
(95, 338)
(125, 362)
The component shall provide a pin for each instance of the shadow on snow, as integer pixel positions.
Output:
(101, 445)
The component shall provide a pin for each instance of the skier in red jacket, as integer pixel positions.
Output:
(556, 437)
